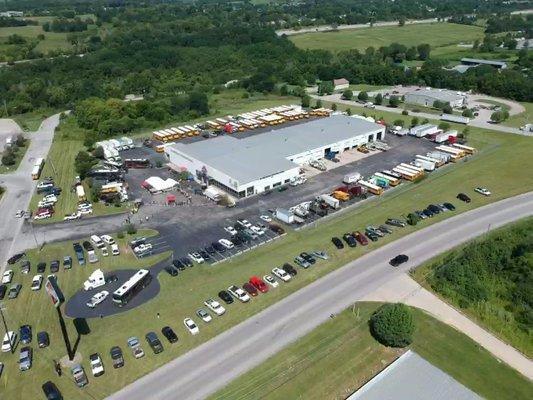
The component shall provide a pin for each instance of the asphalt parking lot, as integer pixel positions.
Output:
(190, 227)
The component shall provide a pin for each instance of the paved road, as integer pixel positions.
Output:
(212, 365)
(324, 28)
(478, 122)
(19, 186)
(405, 290)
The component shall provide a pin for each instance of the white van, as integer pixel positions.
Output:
(97, 241)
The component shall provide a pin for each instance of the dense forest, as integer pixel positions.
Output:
(169, 51)
(493, 279)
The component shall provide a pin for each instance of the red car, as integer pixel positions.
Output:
(363, 241)
(259, 284)
(252, 291)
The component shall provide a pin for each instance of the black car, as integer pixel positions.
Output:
(449, 206)
(54, 266)
(349, 239)
(225, 296)
(116, 357)
(3, 289)
(236, 240)
(25, 334)
(210, 249)
(179, 265)
(395, 222)
(186, 261)
(171, 270)
(205, 255)
(399, 259)
(289, 269)
(13, 259)
(371, 235)
(243, 237)
(51, 391)
(88, 246)
(43, 340)
(154, 342)
(338, 243)
(463, 197)
(428, 213)
(41, 267)
(169, 334)
(111, 278)
(218, 247)
(276, 229)
(308, 257)
(434, 209)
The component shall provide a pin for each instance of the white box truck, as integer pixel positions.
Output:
(284, 215)
(351, 178)
(330, 200)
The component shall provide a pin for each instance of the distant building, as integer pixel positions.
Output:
(11, 14)
(474, 62)
(427, 97)
(341, 84)
(412, 377)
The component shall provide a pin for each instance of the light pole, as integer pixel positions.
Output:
(4, 322)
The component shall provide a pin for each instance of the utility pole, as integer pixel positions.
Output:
(4, 322)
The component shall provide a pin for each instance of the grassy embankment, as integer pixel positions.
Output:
(501, 158)
(340, 356)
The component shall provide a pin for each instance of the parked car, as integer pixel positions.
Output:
(3, 290)
(169, 334)
(218, 247)
(204, 315)
(449, 206)
(244, 222)
(463, 197)
(320, 254)
(308, 257)
(395, 222)
(363, 241)
(36, 282)
(371, 235)
(115, 249)
(54, 266)
(250, 289)
(399, 259)
(258, 283)
(79, 375)
(265, 218)
(171, 270)
(25, 358)
(179, 265)
(271, 281)
(8, 343)
(215, 306)
(97, 298)
(238, 293)
(376, 232)
(107, 239)
(25, 266)
(226, 243)
(51, 391)
(289, 269)
(97, 367)
(25, 334)
(191, 326)
(14, 258)
(43, 340)
(385, 229)
(154, 342)
(276, 229)
(186, 261)
(196, 258)
(302, 262)
(14, 291)
(434, 209)
(41, 267)
(349, 239)
(231, 230)
(225, 297)
(281, 274)
(135, 346)
(87, 245)
(7, 277)
(117, 357)
(483, 191)
(67, 262)
(338, 243)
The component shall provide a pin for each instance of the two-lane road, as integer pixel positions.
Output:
(209, 367)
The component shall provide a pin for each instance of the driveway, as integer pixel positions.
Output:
(20, 186)
(206, 369)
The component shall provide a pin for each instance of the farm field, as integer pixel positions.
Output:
(340, 356)
(500, 156)
(436, 35)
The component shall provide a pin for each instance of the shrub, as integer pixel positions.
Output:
(131, 229)
(348, 111)
(405, 112)
(394, 101)
(378, 100)
(392, 325)
(334, 106)
(347, 94)
(398, 122)
(363, 96)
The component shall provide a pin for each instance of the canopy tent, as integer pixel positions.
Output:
(156, 184)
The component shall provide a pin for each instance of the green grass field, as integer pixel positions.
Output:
(489, 313)
(519, 120)
(437, 35)
(340, 356)
(501, 158)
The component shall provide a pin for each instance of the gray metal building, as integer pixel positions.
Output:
(426, 97)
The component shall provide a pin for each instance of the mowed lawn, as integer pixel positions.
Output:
(521, 119)
(435, 34)
(52, 40)
(501, 159)
(340, 356)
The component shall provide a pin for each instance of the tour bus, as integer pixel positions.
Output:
(37, 169)
(131, 287)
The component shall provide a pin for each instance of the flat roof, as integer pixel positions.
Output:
(442, 95)
(481, 61)
(266, 154)
(412, 377)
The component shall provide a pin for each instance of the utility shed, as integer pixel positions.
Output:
(411, 377)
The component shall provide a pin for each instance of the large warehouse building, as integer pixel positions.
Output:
(245, 167)
(426, 97)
